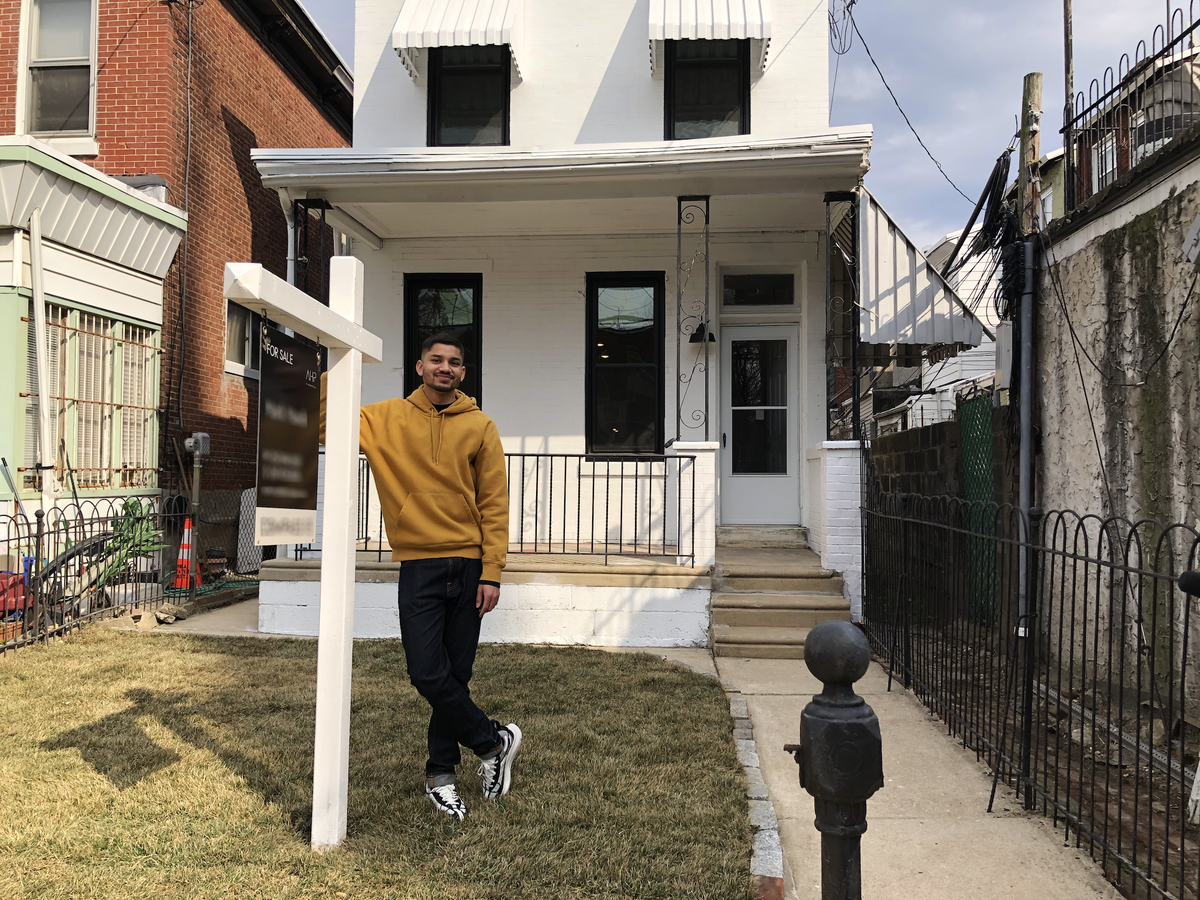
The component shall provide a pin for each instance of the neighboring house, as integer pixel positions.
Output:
(621, 207)
(1117, 330)
(122, 116)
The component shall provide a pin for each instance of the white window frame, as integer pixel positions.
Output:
(236, 368)
(71, 143)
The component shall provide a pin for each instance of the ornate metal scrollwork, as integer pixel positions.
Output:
(692, 319)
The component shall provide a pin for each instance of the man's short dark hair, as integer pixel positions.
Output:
(443, 337)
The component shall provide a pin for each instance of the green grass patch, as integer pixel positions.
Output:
(181, 767)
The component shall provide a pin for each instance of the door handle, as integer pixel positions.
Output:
(722, 439)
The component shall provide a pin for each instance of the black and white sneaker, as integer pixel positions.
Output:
(496, 773)
(445, 798)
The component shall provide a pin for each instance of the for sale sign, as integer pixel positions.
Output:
(289, 412)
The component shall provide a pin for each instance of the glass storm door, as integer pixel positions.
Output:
(760, 465)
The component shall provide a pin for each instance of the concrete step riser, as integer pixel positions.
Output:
(806, 600)
(760, 651)
(762, 537)
(783, 584)
(777, 618)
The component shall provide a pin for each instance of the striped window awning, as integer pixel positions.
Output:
(423, 24)
(710, 20)
(904, 299)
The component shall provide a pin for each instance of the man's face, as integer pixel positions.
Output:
(441, 368)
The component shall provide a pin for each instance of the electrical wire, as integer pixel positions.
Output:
(181, 323)
(841, 39)
(892, 94)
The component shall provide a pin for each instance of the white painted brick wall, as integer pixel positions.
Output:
(586, 76)
(528, 613)
(841, 529)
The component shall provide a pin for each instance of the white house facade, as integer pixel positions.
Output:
(620, 207)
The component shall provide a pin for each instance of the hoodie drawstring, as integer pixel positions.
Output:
(435, 435)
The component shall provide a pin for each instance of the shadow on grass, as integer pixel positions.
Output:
(627, 783)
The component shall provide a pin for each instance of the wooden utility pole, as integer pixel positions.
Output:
(1028, 178)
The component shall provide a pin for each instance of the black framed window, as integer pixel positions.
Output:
(451, 303)
(707, 89)
(759, 290)
(468, 95)
(624, 381)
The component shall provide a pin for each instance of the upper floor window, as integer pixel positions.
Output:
(707, 89)
(468, 95)
(60, 66)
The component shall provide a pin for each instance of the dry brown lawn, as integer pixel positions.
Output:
(180, 767)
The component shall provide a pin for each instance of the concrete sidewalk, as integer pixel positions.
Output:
(928, 834)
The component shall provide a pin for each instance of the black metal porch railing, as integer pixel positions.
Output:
(1133, 111)
(573, 504)
(1061, 650)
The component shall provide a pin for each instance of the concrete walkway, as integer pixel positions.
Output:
(928, 836)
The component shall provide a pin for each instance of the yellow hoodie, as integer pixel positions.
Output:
(440, 478)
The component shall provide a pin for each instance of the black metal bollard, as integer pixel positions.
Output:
(840, 754)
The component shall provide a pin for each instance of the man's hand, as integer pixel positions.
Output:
(486, 598)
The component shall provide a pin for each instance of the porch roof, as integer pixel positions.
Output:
(353, 180)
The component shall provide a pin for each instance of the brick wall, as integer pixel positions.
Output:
(241, 99)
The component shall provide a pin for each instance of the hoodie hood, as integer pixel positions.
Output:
(462, 404)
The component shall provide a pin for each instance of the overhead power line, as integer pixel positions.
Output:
(892, 94)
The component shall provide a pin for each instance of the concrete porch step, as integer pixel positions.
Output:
(775, 611)
(797, 600)
(759, 643)
(758, 537)
(817, 582)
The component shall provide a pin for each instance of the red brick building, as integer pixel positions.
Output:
(170, 97)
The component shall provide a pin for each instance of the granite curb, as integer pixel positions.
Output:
(766, 861)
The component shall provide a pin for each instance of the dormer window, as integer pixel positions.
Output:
(468, 95)
(707, 89)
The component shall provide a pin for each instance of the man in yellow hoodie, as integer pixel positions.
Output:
(439, 470)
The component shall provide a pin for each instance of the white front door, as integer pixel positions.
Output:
(760, 460)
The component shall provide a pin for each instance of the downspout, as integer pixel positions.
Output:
(289, 213)
(45, 462)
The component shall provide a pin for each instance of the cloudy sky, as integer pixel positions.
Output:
(956, 67)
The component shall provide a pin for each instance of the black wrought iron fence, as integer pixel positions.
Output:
(1134, 110)
(1061, 649)
(573, 504)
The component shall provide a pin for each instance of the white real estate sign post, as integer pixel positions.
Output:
(337, 327)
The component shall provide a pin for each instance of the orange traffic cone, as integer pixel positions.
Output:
(185, 564)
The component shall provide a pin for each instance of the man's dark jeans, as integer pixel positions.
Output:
(439, 625)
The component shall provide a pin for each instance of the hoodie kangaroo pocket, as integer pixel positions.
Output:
(429, 521)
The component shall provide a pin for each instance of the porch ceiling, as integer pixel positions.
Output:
(420, 178)
(641, 215)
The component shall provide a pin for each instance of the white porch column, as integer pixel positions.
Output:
(702, 526)
(841, 470)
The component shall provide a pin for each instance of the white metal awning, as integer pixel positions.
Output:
(904, 298)
(455, 23)
(710, 20)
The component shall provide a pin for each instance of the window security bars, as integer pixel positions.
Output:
(572, 504)
(1089, 704)
(1131, 113)
(103, 393)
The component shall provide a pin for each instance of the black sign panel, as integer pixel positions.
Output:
(289, 411)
